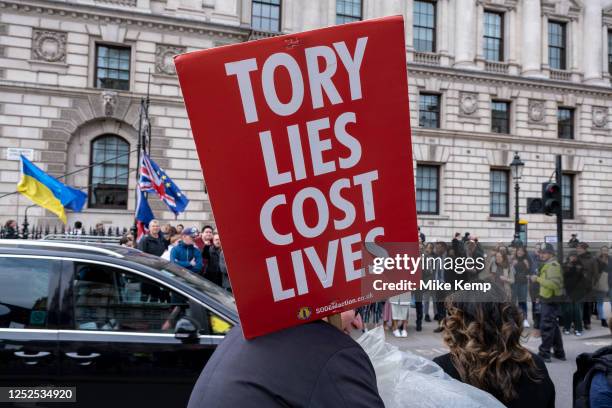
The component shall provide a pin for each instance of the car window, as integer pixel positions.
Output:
(112, 299)
(181, 274)
(24, 291)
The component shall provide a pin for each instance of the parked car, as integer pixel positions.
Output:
(124, 327)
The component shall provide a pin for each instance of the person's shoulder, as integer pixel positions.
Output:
(539, 362)
(446, 363)
(443, 360)
(542, 371)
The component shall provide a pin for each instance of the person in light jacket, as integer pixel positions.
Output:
(501, 272)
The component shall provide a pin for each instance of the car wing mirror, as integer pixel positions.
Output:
(186, 329)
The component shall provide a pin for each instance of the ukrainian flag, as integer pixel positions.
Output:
(48, 192)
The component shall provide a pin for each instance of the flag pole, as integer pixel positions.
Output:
(138, 148)
(142, 146)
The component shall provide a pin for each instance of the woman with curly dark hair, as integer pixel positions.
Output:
(483, 332)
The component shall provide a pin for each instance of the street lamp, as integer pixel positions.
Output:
(516, 166)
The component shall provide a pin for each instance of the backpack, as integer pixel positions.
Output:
(589, 364)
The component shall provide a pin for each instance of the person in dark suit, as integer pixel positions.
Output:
(312, 365)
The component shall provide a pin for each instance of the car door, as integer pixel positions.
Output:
(28, 340)
(121, 344)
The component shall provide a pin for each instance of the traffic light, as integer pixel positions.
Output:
(535, 205)
(551, 198)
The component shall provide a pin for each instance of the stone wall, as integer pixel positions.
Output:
(48, 101)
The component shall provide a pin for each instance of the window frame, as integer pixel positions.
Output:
(52, 290)
(90, 195)
(433, 29)
(563, 48)
(506, 173)
(562, 126)
(69, 322)
(508, 118)
(610, 51)
(437, 111)
(501, 39)
(269, 3)
(571, 212)
(95, 67)
(351, 18)
(437, 167)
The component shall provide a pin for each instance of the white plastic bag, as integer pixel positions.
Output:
(408, 380)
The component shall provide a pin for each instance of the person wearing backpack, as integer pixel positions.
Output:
(592, 382)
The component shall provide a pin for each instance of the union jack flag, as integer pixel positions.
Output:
(153, 179)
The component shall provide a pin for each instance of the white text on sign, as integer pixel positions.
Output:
(320, 152)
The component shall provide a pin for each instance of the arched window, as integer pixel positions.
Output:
(109, 180)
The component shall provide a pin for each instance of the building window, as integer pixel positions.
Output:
(112, 67)
(498, 192)
(429, 111)
(610, 52)
(556, 45)
(109, 180)
(500, 117)
(427, 189)
(567, 192)
(565, 123)
(493, 36)
(348, 11)
(424, 29)
(265, 15)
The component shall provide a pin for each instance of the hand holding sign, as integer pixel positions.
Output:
(305, 144)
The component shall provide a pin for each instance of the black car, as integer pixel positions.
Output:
(123, 327)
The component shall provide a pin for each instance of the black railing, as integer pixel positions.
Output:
(40, 231)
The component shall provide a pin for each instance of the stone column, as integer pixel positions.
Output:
(604, 39)
(143, 4)
(592, 45)
(479, 32)
(573, 40)
(531, 56)
(465, 33)
(544, 45)
(510, 48)
(444, 32)
(409, 22)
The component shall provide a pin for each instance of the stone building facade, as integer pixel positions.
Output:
(487, 78)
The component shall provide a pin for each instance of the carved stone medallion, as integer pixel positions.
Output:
(468, 103)
(600, 116)
(164, 54)
(536, 111)
(49, 45)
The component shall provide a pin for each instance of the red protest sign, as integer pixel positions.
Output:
(304, 141)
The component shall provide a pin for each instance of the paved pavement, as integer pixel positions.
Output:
(429, 344)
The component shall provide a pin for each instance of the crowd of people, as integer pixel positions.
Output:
(579, 285)
(483, 336)
(198, 250)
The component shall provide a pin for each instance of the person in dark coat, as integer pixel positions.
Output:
(574, 241)
(10, 230)
(153, 243)
(457, 245)
(576, 288)
(214, 266)
(512, 374)
(312, 365)
(590, 269)
(206, 237)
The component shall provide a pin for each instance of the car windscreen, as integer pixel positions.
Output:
(184, 276)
